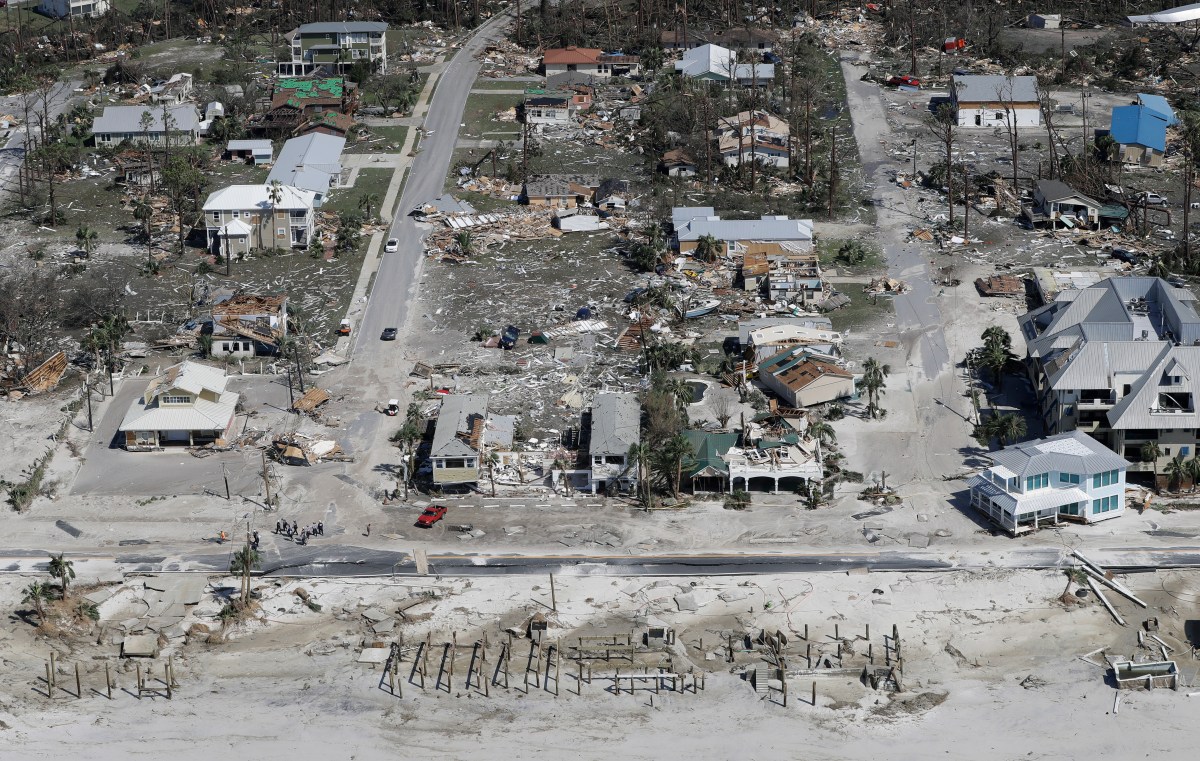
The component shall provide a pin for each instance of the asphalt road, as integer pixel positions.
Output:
(13, 153)
(397, 276)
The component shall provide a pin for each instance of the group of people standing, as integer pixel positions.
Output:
(299, 535)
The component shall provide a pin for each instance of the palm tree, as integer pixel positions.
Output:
(822, 432)
(242, 562)
(1192, 468)
(465, 241)
(996, 359)
(670, 457)
(639, 456)
(367, 202)
(996, 336)
(63, 570)
(1008, 428)
(87, 238)
(492, 459)
(1151, 451)
(873, 380)
(708, 248)
(37, 593)
(275, 194)
(144, 212)
(1176, 472)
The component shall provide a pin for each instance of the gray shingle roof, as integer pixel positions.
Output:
(994, 88)
(327, 27)
(765, 229)
(616, 423)
(1071, 452)
(1053, 190)
(457, 415)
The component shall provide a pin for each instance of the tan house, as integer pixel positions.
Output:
(802, 378)
(562, 191)
(464, 432)
(591, 61)
(247, 325)
(185, 406)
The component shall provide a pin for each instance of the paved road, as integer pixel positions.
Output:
(13, 153)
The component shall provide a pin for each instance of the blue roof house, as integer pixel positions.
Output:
(1140, 130)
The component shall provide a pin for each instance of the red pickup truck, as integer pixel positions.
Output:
(432, 515)
(905, 81)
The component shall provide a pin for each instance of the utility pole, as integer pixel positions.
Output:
(1188, 179)
(832, 169)
(225, 475)
(966, 201)
(1086, 95)
(266, 478)
(291, 396)
(912, 37)
(87, 391)
(246, 568)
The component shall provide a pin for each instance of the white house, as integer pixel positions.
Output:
(616, 426)
(718, 64)
(117, 124)
(312, 162)
(1070, 476)
(241, 217)
(74, 8)
(247, 325)
(995, 100)
(185, 406)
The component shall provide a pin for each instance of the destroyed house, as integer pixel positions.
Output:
(185, 406)
(591, 61)
(174, 91)
(464, 431)
(996, 100)
(295, 101)
(1069, 477)
(259, 151)
(1140, 130)
(769, 340)
(753, 136)
(616, 425)
(325, 123)
(548, 108)
(1120, 361)
(335, 46)
(312, 162)
(737, 234)
(246, 325)
(239, 218)
(677, 162)
(1058, 204)
(802, 378)
(718, 64)
(562, 191)
(612, 194)
(119, 124)
(783, 271)
(785, 463)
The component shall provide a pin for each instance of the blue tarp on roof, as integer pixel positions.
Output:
(1159, 105)
(1138, 125)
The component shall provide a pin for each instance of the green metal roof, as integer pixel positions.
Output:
(708, 448)
(305, 89)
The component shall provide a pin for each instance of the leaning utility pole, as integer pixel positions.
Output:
(266, 478)
(833, 168)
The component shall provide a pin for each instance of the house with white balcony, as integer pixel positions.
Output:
(1068, 477)
(616, 425)
(335, 46)
(240, 218)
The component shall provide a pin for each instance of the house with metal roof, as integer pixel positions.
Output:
(1140, 130)
(1120, 360)
(312, 162)
(239, 218)
(187, 405)
(735, 234)
(335, 46)
(259, 151)
(1057, 204)
(706, 469)
(119, 124)
(1067, 477)
(720, 64)
(801, 377)
(615, 425)
(995, 100)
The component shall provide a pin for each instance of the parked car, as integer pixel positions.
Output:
(769, 57)
(432, 515)
(344, 328)
(904, 81)
(508, 338)
(1151, 199)
(1126, 256)
(392, 246)
(388, 334)
(1177, 281)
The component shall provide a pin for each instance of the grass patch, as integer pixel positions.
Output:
(488, 83)
(380, 140)
(860, 312)
(828, 251)
(480, 113)
(345, 200)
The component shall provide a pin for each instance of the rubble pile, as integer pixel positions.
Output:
(506, 59)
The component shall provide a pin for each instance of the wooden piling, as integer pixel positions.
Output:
(868, 637)
(139, 681)
(806, 632)
(808, 653)
(167, 675)
(107, 680)
(53, 675)
(78, 684)
(870, 653)
(557, 665)
(49, 682)
(836, 635)
(814, 694)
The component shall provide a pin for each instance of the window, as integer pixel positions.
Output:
(1072, 508)
(216, 216)
(237, 215)
(1068, 478)
(1105, 504)
(176, 399)
(281, 231)
(1040, 481)
(1107, 478)
(245, 346)
(1184, 451)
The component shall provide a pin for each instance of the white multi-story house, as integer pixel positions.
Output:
(1120, 360)
(1070, 477)
(118, 124)
(242, 217)
(335, 46)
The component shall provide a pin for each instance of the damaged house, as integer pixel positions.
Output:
(185, 406)
(246, 325)
(463, 435)
(714, 63)
(562, 191)
(1057, 204)
(592, 61)
(753, 136)
(801, 377)
(693, 223)
(996, 100)
(312, 163)
(1140, 130)
(1069, 477)
(616, 425)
